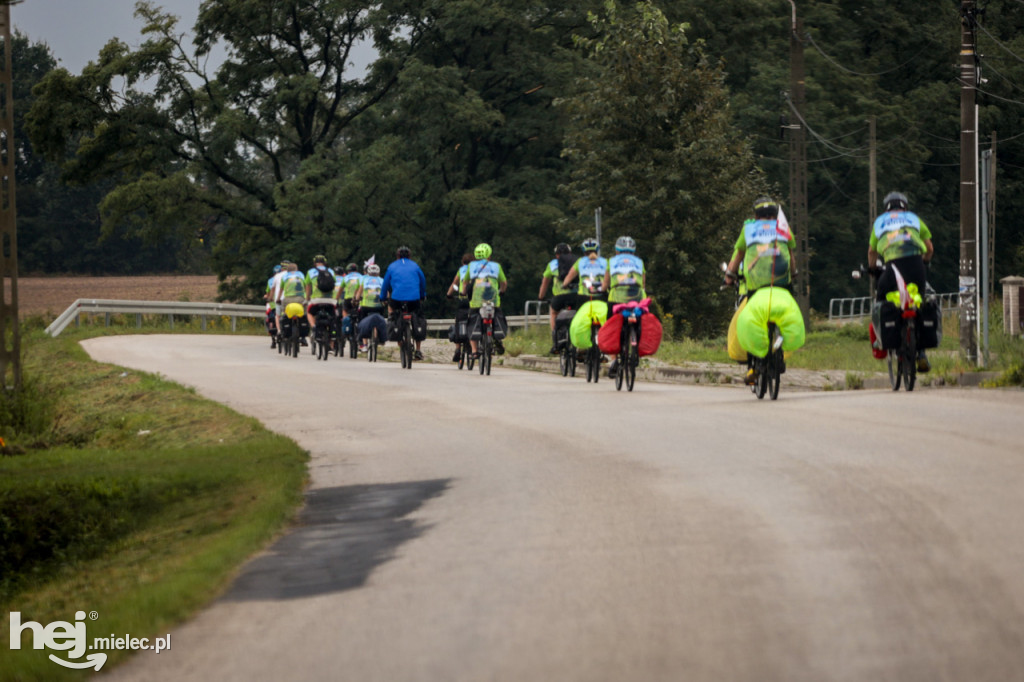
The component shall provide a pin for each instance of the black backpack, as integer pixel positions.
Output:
(325, 281)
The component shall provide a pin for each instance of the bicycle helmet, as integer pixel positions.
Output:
(404, 252)
(765, 207)
(591, 244)
(482, 251)
(896, 201)
(352, 267)
(277, 268)
(338, 270)
(373, 269)
(625, 244)
(319, 258)
(563, 249)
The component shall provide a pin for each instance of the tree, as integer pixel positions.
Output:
(651, 142)
(213, 155)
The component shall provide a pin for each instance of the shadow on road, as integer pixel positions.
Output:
(342, 535)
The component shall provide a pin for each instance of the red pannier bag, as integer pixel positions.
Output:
(650, 335)
(610, 334)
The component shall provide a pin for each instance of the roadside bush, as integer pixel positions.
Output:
(28, 410)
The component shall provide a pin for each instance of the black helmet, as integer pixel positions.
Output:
(338, 270)
(319, 258)
(562, 249)
(352, 267)
(765, 207)
(896, 201)
(404, 252)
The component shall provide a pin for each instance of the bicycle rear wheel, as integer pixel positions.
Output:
(774, 365)
(895, 364)
(633, 359)
(761, 387)
(294, 344)
(403, 348)
(909, 352)
(563, 360)
(485, 353)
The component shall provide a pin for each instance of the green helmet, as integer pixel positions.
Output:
(482, 251)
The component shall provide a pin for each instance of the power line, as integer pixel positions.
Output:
(844, 151)
(988, 65)
(986, 92)
(839, 66)
(985, 31)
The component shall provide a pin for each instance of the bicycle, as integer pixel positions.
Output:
(567, 352)
(486, 343)
(902, 359)
(592, 360)
(629, 352)
(769, 368)
(323, 331)
(406, 345)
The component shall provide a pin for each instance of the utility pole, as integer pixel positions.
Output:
(10, 334)
(991, 206)
(872, 190)
(968, 182)
(798, 167)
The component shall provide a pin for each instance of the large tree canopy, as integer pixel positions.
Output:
(653, 145)
(452, 137)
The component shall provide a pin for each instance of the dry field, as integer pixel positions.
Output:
(50, 296)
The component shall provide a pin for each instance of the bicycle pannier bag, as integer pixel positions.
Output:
(562, 323)
(419, 326)
(650, 335)
(392, 329)
(346, 325)
(889, 320)
(609, 337)
(929, 325)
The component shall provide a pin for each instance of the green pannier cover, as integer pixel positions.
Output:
(579, 329)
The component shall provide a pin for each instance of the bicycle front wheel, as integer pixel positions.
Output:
(371, 351)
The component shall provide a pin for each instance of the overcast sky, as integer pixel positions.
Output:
(75, 30)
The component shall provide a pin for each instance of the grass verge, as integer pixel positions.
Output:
(137, 501)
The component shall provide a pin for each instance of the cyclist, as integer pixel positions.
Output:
(764, 248)
(368, 296)
(624, 281)
(555, 276)
(324, 285)
(271, 308)
(349, 286)
(455, 291)
(309, 283)
(291, 288)
(485, 281)
(903, 242)
(591, 269)
(404, 284)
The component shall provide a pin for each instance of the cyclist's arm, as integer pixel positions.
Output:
(873, 257)
(929, 251)
(544, 282)
(606, 283)
(502, 281)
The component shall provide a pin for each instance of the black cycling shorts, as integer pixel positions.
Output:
(411, 306)
(911, 268)
(563, 301)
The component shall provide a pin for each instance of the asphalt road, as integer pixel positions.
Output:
(525, 526)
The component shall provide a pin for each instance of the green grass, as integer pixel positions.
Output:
(138, 501)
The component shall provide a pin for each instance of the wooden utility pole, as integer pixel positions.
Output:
(968, 182)
(872, 190)
(10, 334)
(798, 167)
(991, 206)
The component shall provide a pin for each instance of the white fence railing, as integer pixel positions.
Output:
(854, 308)
(88, 306)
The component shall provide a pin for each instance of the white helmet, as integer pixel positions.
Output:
(626, 244)
(373, 269)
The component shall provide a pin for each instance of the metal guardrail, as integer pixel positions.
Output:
(855, 308)
(88, 306)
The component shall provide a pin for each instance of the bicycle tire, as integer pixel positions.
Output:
(371, 352)
(594, 352)
(485, 351)
(909, 355)
(895, 369)
(762, 377)
(353, 345)
(464, 350)
(572, 359)
(773, 365)
(295, 344)
(633, 359)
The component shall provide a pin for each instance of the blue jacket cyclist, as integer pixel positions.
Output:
(404, 285)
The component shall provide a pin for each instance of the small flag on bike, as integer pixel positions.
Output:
(783, 225)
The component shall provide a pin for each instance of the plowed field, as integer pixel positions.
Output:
(50, 296)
